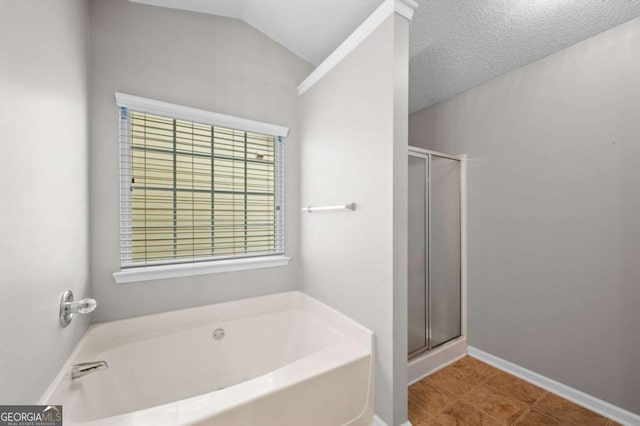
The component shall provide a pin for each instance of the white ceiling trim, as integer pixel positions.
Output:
(404, 8)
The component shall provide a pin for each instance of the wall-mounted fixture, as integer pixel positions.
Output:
(341, 207)
(68, 307)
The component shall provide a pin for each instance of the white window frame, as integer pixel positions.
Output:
(179, 112)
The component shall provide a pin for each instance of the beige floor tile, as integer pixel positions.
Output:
(470, 392)
(475, 368)
(452, 381)
(567, 412)
(515, 388)
(432, 399)
(503, 408)
(535, 418)
(429, 421)
(463, 414)
(417, 412)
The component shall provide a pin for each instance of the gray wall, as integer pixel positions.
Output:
(553, 216)
(44, 184)
(202, 61)
(349, 153)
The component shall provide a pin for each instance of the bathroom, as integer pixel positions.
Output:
(425, 212)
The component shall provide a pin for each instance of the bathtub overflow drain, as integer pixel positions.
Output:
(218, 333)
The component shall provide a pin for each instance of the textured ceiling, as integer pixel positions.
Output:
(459, 44)
(455, 44)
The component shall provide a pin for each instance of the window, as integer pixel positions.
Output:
(195, 191)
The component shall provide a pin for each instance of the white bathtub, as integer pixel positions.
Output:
(285, 359)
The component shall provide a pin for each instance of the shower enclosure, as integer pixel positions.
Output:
(434, 250)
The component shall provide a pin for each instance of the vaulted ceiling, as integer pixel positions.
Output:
(312, 29)
(455, 44)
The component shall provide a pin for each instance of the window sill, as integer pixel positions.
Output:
(148, 273)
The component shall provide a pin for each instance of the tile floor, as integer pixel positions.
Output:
(470, 392)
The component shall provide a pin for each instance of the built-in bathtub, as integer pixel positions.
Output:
(284, 359)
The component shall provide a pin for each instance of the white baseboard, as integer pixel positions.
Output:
(599, 406)
(377, 421)
(436, 359)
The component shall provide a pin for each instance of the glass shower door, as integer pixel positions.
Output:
(417, 254)
(445, 239)
(434, 251)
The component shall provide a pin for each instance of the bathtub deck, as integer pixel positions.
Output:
(280, 362)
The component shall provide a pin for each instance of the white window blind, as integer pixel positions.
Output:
(194, 192)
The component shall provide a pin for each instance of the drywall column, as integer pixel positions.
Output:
(44, 188)
(354, 145)
(400, 215)
(553, 223)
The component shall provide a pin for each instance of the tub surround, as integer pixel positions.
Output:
(283, 359)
